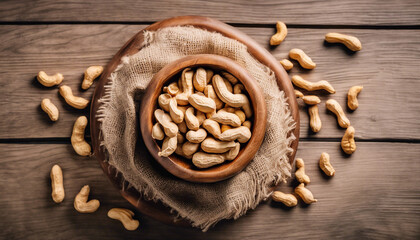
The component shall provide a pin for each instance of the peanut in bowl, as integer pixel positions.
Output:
(203, 118)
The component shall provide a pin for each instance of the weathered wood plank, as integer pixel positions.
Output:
(387, 67)
(345, 12)
(375, 194)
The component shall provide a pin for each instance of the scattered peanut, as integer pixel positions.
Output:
(305, 194)
(91, 73)
(49, 81)
(78, 141)
(312, 86)
(350, 42)
(125, 216)
(281, 34)
(168, 146)
(352, 97)
(76, 102)
(325, 165)
(304, 60)
(335, 107)
(287, 199)
(56, 175)
(300, 172)
(48, 107)
(287, 64)
(298, 94)
(315, 120)
(81, 203)
(347, 142)
(311, 99)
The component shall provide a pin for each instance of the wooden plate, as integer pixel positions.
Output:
(158, 210)
(182, 167)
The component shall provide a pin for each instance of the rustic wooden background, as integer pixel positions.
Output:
(375, 193)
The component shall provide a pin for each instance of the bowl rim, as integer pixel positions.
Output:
(177, 165)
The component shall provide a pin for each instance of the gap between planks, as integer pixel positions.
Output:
(251, 25)
(66, 140)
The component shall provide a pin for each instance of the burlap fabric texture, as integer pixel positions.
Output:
(202, 204)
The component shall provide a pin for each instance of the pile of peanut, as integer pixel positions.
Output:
(80, 146)
(204, 117)
(348, 144)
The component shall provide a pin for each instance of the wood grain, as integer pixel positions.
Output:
(346, 12)
(387, 67)
(375, 194)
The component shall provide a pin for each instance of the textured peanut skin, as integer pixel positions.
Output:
(91, 73)
(168, 146)
(125, 216)
(49, 81)
(280, 35)
(315, 120)
(81, 203)
(56, 175)
(76, 102)
(287, 199)
(304, 60)
(206, 160)
(300, 172)
(335, 107)
(78, 141)
(287, 64)
(352, 94)
(211, 145)
(347, 142)
(325, 165)
(351, 42)
(48, 107)
(305, 194)
(311, 99)
(312, 86)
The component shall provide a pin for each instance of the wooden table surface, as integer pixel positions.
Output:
(375, 193)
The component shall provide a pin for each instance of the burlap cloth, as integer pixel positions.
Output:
(202, 204)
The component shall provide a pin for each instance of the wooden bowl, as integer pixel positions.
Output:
(180, 166)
